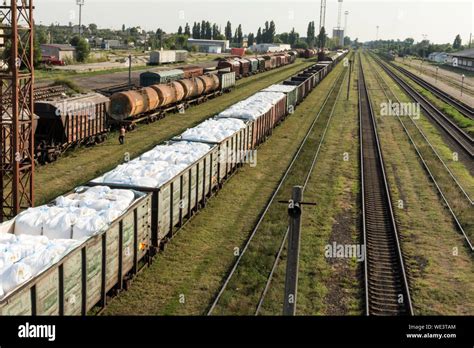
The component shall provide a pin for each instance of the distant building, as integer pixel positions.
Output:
(61, 52)
(112, 44)
(215, 49)
(463, 59)
(438, 57)
(338, 33)
(269, 47)
(209, 46)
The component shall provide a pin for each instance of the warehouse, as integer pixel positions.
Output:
(464, 59)
(209, 46)
(62, 52)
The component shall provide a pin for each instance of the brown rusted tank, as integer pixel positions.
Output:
(190, 87)
(211, 83)
(199, 86)
(128, 104)
(166, 94)
(178, 90)
(152, 98)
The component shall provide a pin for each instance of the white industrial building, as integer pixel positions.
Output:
(209, 46)
(439, 57)
(269, 47)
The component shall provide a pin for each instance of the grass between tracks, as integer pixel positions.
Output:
(327, 285)
(462, 121)
(439, 265)
(457, 200)
(86, 163)
(186, 277)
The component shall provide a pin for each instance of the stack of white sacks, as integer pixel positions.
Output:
(214, 130)
(280, 88)
(154, 168)
(253, 107)
(43, 235)
(24, 256)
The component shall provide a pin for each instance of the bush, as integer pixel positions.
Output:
(82, 48)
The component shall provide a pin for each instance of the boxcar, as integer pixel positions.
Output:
(244, 67)
(192, 71)
(149, 78)
(232, 64)
(254, 65)
(226, 81)
(65, 122)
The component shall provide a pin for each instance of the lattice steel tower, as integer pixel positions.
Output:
(16, 107)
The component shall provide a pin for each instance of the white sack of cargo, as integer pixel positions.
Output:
(26, 256)
(213, 130)
(271, 97)
(14, 276)
(253, 107)
(280, 88)
(76, 216)
(182, 152)
(141, 173)
(157, 166)
(248, 109)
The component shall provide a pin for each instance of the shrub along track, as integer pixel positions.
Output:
(86, 163)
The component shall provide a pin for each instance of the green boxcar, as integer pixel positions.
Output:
(149, 78)
(291, 94)
(253, 65)
(80, 281)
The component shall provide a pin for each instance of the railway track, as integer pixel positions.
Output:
(460, 138)
(386, 285)
(447, 185)
(463, 108)
(329, 102)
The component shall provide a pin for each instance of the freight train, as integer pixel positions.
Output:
(86, 119)
(66, 257)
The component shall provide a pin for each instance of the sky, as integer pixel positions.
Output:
(438, 20)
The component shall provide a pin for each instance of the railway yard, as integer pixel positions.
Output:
(172, 195)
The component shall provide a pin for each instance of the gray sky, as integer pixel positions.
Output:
(439, 20)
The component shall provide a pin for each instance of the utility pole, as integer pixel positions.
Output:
(291, 282)
(17, 109)
(349, 83)
(130, 71)
(80, 3)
